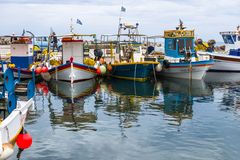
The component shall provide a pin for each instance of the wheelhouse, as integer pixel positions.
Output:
(178, 42)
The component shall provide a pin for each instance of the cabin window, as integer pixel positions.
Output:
(181, 45)
(189, 44)
(228, 39)
(172, 44)
(234, 38)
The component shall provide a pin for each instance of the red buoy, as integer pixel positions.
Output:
(45, 90)
(71, 59)
(98, 71)
(24, 141)
(38, 70)
(44, 69)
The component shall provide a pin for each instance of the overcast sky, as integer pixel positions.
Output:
(207, 17)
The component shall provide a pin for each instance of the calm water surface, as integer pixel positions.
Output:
(122, 120)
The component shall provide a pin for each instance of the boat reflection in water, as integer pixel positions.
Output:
(222, 77)
(178, 98)
(226, 90)
(72, 115)
(72, 91)
(125, 100)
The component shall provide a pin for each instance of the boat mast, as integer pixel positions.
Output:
(71, 26)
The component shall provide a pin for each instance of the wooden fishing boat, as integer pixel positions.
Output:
(21, 56)
(127, 61)
(229, 59)
(180, 60)
(13, 112)
(72, 68)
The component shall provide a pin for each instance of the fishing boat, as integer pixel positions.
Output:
(21, 48)
(229, 59)
(127, 61)
(13, 111)
(180, 60)
(72, 69)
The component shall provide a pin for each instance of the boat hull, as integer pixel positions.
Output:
(187, 70)
(13, 124)
(72, 72)
(225, 63)
(138, 71)
(24, 73)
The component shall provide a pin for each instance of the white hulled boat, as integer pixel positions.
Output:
(228, 60)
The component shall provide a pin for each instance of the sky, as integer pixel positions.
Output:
(206, 17)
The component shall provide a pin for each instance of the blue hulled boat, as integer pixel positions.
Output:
(128, 61)
(137, 71)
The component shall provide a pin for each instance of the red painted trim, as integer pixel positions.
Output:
(79, 80)
(71, 40)
(200, 65)
(227, 58)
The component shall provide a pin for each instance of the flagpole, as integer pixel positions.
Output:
(71, 26)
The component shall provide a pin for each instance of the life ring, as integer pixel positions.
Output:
(12, 102)
(9, 80)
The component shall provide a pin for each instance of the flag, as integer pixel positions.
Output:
(123, 9)
(23, 32)
(79, 22)
(181, 22)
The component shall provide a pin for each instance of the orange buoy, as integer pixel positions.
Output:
(98, 71)
(38, 70)
(101, 60)
(109, 67)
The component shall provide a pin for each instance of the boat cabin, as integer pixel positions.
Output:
(73, 46)
(178, 43)
(21, 51)
(231, 39)
(127, 43)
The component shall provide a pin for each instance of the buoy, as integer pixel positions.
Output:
(71, 59)
(101, 60)
(24, 140)
(38, 70)
(7, 151)
(44, 69)
(158, 67)
(45, 90)
(98, 71)
(103, 69)
(39, 87)
(11, 65)
(109, 67)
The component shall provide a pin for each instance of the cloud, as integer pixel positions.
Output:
(208, 18)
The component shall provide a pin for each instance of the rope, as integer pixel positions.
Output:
(135, 72)
(134, 79)
(154, 73)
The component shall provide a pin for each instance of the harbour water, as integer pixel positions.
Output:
(115, 119)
